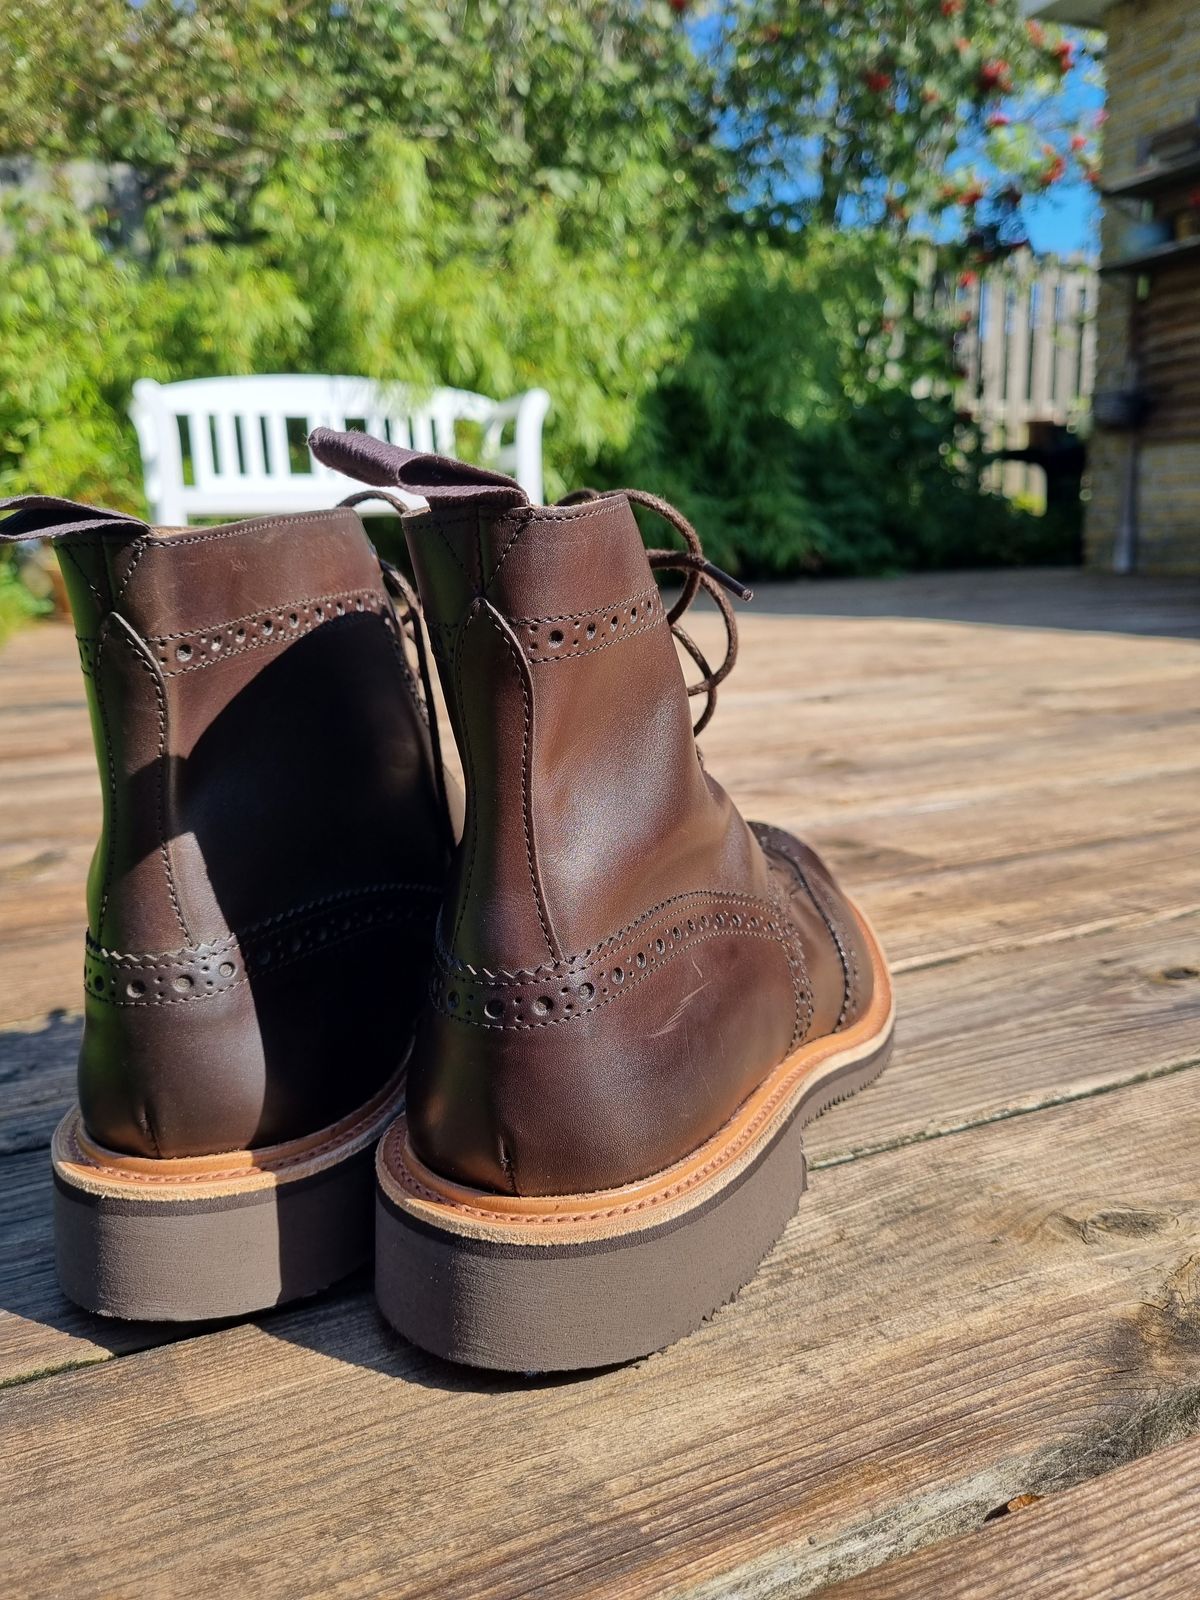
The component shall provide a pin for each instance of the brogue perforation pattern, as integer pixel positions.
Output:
(560, 992)
(779, 843)
(273, 626)
(176, 977)
(581, 633)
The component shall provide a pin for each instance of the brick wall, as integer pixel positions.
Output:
(1153, 84)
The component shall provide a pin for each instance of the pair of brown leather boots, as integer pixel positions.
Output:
(609, 1003)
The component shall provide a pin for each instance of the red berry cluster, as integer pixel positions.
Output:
(1064, 55)
(995, 77)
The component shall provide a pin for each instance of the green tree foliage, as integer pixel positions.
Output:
(889, 113)
(777, 428)
(487, 193)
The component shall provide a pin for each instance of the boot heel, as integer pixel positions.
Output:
(591, 1294)
(550, 1283)
(188, 1239)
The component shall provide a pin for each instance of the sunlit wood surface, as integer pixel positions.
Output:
(991, 1290)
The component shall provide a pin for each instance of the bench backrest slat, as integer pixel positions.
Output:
(229, 446)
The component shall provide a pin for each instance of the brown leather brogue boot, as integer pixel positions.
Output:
(638, 999)
(260, 905)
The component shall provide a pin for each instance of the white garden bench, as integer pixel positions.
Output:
(235, 446)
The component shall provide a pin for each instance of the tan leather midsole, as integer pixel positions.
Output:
(554, 1219)
(87, 1165)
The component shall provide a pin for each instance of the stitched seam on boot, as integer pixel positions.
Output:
(444, 540)
(598, 611)
(64, 548)
(781, 843)
(849, 970)
(111, 850)
(469, 760)
(573, 653)
(139, 550)
(275, 920)
(801, 982)
(526, 786)
(247, 529)
(273, 640)
(636, 957)
(523, 524)
(626, 988)
(573, 964)
(250, 968)
(160, 783)
(395, 633)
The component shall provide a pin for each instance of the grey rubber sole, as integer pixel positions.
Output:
(187, 1241)
(570, 1282)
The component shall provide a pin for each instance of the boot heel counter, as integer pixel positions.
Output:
(271, 849)
(132, 899)
(132, 902)
(156, 1052)
(568, 1079)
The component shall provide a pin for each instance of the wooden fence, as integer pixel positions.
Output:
(1028, 355)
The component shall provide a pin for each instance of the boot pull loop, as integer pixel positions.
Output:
(44, 516)
(435, 478)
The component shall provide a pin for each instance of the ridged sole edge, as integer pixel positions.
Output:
(609, 1285)
(162, 1246)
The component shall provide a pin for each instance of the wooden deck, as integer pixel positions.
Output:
(990, 1293)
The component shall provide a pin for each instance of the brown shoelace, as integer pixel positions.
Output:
(412, 622)
(699, 573)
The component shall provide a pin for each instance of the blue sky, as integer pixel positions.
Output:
(1067, 220)
(1064, 221)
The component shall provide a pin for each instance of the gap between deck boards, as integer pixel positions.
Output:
(1007, 1114)
(980, 1044)
(135, 1339)
(1060, 1341)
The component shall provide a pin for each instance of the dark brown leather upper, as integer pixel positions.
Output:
(621, 959)
(261, 899)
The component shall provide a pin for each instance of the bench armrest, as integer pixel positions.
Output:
(526, 412)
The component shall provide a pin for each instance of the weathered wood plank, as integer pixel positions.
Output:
(1130, 1532)
(40, 1330)
(940, 1330)
(999, 1034)
(37, 1079)
(1038, 899)
(905, 754)
(978, 1041)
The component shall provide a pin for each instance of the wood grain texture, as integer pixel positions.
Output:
(1128, 1533)
(1009, 1310)
(37, 1078)
(979, 1040)
(990, 1289)
(970, 802)
(40, 1330)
